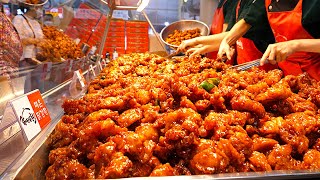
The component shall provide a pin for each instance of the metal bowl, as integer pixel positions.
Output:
(183, 25)
(41, 3)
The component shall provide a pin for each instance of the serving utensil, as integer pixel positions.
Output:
(174, 53)
(247, 65)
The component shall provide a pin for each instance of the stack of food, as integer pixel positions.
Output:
(178, 36)
(33, 1)
(57, 45)
(145, 115)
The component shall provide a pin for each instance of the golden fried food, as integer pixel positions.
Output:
(57, 45)
(33, 1)
(178, 36)
(145, 115)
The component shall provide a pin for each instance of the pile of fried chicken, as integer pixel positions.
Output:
(57, 46)
(178, 36)
(145, 115)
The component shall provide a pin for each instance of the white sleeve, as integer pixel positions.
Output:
(19, 23)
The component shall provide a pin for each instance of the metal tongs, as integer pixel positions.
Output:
(247, 65)
(176, 52)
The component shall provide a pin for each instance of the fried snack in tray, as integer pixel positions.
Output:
(57, 45)
(145, 115)
(178, 36)
(33, 1)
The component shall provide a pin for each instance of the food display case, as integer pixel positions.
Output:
(93, 26)
(97, 31)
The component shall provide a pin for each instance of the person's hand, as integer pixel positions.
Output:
(198, 50)
(225, 50)
(278, 52)
(186, 44)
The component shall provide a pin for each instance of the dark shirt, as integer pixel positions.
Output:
(228, 9)
(310, 13)
(262, 34)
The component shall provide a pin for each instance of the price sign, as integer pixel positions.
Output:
(31, 113)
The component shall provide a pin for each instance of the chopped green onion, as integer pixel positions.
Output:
(206, 85)
(214, 81)
(209, 84)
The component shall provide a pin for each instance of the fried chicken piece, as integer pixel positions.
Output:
(103, 128)
(202, 105)
(186, 103)
(273, 76)
(150, 113)
(113, 103)
(215, 120)
(63, 135)
(74, 106)
(280, 158)
(236, 158)
(278, 91)
(257, 88)
(179, 141)
(135, 144)
(310, 121)
(259, 162)
(180, 88)
(299, 104)
(103, 154)
(272, 126)
(119, 167)
(209, 161)
(147, 131)
(262, 144)
(203, 145)
(102, 114)
(143, 97)
(244, 103)
(75, 119)
(68, 169)
(295, 128)
(181, 168)
(218, 101)
(311, 159)
(129, 117)
(141, 169)
(163, 170)
(242, 143)
(188, 118)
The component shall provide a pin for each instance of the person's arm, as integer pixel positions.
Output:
(202, 44)
(237, 31)
(225, 26)
(18, 22)
(280, 51)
